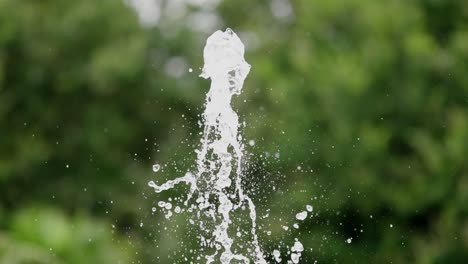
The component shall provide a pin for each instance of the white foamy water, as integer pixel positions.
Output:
(217, 182)
(301, 216)
(296, 250)
(277, 255)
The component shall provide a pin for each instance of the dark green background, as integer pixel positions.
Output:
(369, 98)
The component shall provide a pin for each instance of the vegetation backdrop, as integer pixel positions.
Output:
(357, 107)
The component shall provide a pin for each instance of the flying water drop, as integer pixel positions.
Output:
(156, 167)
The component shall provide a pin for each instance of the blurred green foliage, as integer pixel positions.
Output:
(358, 107)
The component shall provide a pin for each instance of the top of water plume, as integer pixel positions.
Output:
(224, 55)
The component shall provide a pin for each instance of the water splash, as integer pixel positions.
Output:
(217, 182)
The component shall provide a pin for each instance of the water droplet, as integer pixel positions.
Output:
(277, 255)
(152, 184)
(298, 247)
(301, 216)
(156, 167)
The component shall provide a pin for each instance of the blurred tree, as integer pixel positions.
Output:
(69, 81)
